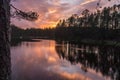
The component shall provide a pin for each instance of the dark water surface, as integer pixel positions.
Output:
(51, 60)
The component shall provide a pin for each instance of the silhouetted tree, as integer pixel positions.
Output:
(5, 64)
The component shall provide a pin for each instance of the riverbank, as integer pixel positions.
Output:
(82, 41)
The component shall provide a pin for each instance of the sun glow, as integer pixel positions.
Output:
(49, 25)
(50, 11)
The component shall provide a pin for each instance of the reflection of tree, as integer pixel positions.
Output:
(102, 59)
(15, 43)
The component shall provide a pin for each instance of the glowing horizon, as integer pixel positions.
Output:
(51, 11)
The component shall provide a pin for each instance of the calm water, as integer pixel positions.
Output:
(51, 60)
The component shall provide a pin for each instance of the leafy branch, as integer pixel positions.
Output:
(31, 16)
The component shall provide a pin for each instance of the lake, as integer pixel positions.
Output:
(62, 60)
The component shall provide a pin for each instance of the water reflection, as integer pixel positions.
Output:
(33, 60)
(102, 59)
(51, 60)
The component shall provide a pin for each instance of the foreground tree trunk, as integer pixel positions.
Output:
(5, 65)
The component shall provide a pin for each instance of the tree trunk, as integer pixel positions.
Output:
(5, 64)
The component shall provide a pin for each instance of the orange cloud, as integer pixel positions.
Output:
(87, 1)
(51, 11)
(74, 76)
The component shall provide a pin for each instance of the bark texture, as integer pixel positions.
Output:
(5, 64)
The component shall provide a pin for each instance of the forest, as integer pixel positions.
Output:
(102, 25)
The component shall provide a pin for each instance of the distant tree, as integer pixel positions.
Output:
(71, 21)
(85, 14)
(59, 23)
(63, 24)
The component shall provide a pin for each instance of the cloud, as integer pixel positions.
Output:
(87, 2)
(51, 11)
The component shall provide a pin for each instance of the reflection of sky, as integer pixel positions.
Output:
(50, 11)
(39, 61)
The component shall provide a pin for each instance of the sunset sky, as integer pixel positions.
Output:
(51, 11)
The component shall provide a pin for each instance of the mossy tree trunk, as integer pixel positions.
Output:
(5, 64)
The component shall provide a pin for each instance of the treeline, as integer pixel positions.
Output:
(108, 18)
(101, 25)
(18, 33)
(66, 33)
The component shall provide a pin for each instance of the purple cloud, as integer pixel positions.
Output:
(51, 11)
